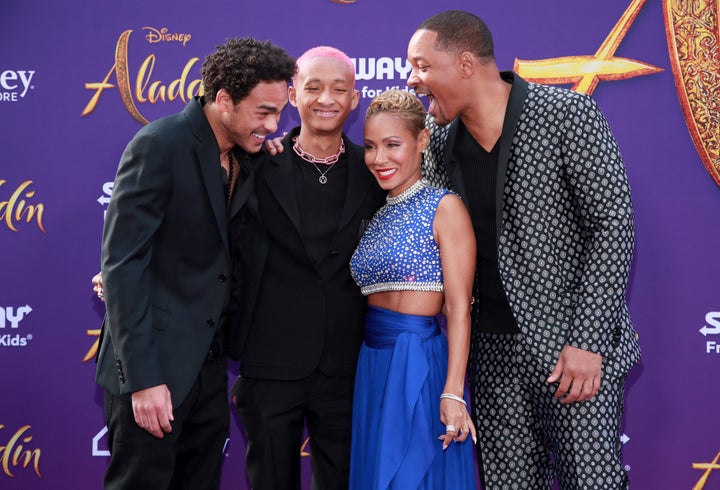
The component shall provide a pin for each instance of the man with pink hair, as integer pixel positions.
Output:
(300, 315)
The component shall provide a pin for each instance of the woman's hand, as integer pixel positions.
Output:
(457, 420)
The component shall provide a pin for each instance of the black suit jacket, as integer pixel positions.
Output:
(165, 256)
(295, 315)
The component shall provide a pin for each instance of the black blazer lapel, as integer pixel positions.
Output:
(357, 184)
(244, 184)
(278, 172)
(208, 158)
(518, 92)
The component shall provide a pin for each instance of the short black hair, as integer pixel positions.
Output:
(459, 31)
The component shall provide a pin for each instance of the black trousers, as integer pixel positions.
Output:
(189, 457)
(273, 414)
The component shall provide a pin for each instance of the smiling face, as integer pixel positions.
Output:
(393, 151)
(324, 94)
(251, 120)
(435, 74)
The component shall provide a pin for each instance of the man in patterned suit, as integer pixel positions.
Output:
(545, 184)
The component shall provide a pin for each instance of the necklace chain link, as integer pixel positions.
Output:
(330, 161)
(313, 159)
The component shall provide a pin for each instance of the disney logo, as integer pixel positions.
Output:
(163, 35)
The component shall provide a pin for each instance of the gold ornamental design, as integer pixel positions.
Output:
(693, 36)
(586, 71)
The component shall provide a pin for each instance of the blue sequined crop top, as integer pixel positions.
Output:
(398, 251)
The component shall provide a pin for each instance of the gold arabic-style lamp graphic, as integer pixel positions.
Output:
(693, 37)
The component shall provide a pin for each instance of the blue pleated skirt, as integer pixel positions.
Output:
(396, 410)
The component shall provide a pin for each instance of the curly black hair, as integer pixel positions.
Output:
(241, 63)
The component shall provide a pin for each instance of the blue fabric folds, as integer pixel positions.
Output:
(396, 410)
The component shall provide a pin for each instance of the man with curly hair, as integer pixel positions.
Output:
(166, 265)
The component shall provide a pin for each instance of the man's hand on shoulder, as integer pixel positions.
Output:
(274, 146)
(97, 283)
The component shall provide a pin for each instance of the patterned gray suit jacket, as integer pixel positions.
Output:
(564, 221)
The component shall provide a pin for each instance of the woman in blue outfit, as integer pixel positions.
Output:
(411, 427)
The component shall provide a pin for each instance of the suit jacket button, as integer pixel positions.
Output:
(210, 323)
(222, 278)
(318, 283)
(333, 253)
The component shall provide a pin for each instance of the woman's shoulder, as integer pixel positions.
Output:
(440, 194)
(450, 206)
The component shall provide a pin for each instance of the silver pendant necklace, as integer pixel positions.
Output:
(322, 179)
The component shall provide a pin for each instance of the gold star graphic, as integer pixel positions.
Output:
(303, 450)
(93, 349)
(708, 467)
(586, 71)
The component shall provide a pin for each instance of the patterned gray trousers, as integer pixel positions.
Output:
(526, 438)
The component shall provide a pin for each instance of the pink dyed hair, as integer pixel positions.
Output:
(322, 52)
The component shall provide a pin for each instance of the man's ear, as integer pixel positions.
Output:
(223, 100)
(355, 99)
(467, 64)
(292, 95)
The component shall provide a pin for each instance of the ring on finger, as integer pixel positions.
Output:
(450, 428)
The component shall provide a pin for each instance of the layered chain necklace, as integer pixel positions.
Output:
(228, 187)
(329, 161)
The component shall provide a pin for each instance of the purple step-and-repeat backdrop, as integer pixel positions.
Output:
(79, 78)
